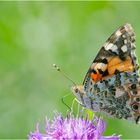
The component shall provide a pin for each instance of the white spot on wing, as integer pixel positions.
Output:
(114, 48)
(125, 41)
(124, 48)
(100, 65)
(111, 47)
(108, 46)
(118, 33)
(128, 27)
(123, 36)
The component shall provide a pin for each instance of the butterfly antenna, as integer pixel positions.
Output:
(65, 75)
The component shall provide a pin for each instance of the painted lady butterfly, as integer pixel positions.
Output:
(112, 85)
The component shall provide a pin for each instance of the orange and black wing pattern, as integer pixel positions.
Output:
(117, 55)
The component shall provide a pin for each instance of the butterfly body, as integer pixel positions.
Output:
(112, 84)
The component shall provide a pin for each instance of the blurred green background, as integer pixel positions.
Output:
(33, 36)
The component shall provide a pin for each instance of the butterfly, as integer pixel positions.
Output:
(112, 84)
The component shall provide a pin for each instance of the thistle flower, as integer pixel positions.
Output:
(74, 128)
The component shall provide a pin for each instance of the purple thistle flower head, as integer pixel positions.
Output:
(74, 128)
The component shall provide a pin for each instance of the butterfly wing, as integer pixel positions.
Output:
(117, 55)
(111, 84)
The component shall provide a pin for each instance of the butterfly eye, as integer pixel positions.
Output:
(135, 107)
(76, 90)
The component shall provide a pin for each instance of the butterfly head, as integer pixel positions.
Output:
(79, 93)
